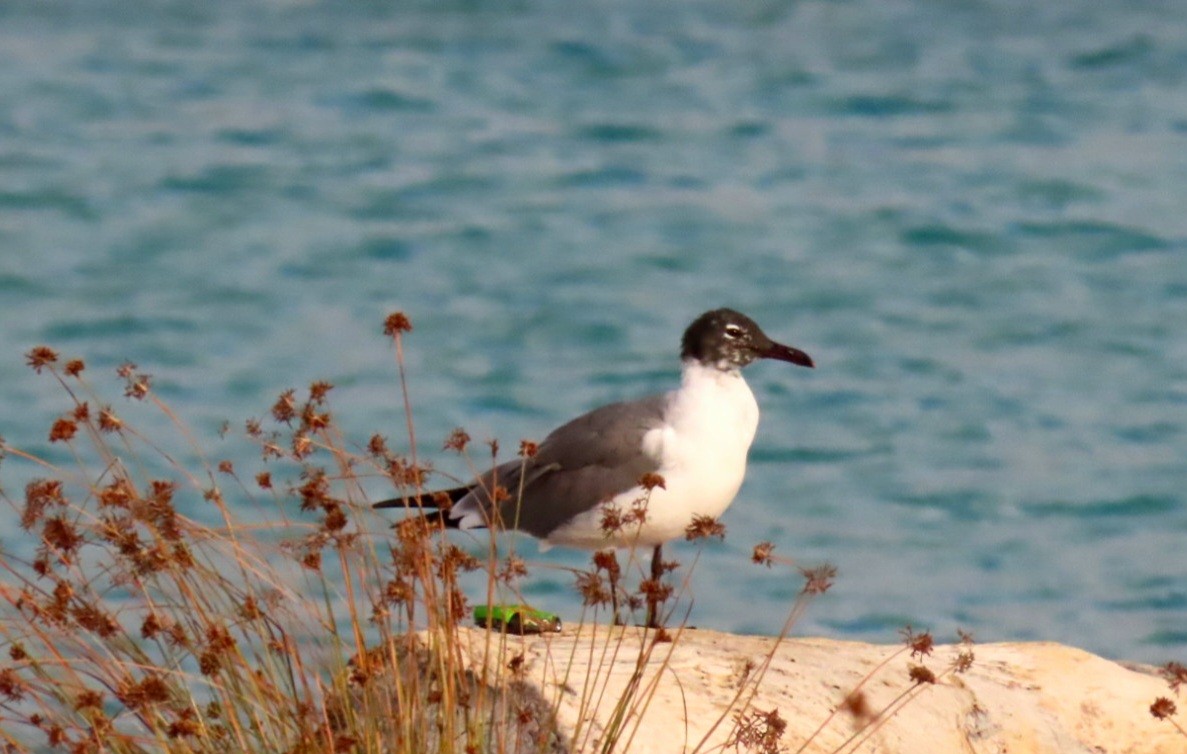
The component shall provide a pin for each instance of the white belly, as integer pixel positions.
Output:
(701, 449)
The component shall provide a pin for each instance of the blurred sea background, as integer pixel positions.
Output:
(972, 214)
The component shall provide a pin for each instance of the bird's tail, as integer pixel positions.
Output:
(433, 506)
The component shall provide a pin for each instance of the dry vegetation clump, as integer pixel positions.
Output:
(127, 624)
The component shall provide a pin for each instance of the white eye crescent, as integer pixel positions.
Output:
(733, 331)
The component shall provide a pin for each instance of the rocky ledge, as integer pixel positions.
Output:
(711, 692)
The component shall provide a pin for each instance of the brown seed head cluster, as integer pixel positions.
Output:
(12, 687)
(1162, 708)
(40, 494)
(757, 731)
(457, 441)
(108, 421)
(818, 580)
(63, 430)
(921, 643)
(655, 591)
(650, 481)
(1175, 675)
(920, 674)
(614, 519)
(857, 705)
(136, 385)
(704, 527)
(396, 323)
(219, 644)
(513, 569)
(41, 357)
(762, 554)
(138, 695)
(377, 446)
(592, 588)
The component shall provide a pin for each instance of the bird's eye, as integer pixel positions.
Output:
(733, 331)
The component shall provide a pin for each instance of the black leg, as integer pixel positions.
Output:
(657, 573)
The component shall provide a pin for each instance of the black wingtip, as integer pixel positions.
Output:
(425, 500)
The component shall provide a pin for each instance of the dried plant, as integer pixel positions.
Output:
(149, 615)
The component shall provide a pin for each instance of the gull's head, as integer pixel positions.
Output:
(727, 340)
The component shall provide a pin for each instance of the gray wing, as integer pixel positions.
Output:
(587, 461)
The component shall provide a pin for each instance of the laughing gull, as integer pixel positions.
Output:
(695, 438)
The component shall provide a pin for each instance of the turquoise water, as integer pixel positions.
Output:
(970, 214)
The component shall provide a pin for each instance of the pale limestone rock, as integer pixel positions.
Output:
(1014, 699)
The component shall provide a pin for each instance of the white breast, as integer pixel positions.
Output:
(701, 448)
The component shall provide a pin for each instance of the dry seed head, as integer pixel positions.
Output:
(152, 626)
(313, 421)
(528, 449)
(118, 494)
(818, 580)
(88, 699)
(650, 481)
(62, 536)
(612, 520)
(398, 592)
(758, 731)
(396, 323)
(655, 590)
(457, 441)
(921, 643)
(405, 474)
(920, 674)
(335, 519)
(704, 527)
(515, 665)
(74, 367)
(135, 385)
(137, 695)
(40, 357)
(318, 391)
(12, 688)
(63, 429)
(513, 568)
(762, 554)
(284, 410)
(1175, 675)
(858, 706)
(963, 661)
(98, 622)
(250, 609)
(593, 589)
(1162, 708)
(302, 445)
(39, 494)
(377, 446)
(442, 501)
(108, 421)
(186, 725)
(607, 560)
